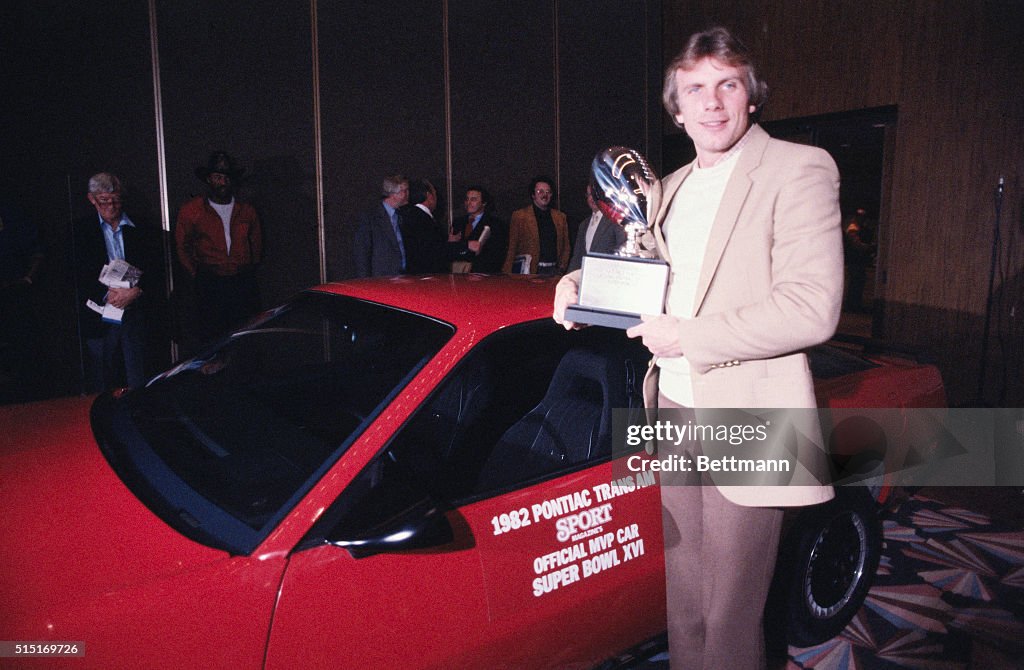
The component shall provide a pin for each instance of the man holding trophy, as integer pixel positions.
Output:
(751, 233)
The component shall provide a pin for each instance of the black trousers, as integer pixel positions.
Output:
(223, 302)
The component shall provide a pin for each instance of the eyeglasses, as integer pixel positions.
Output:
(543, 191)
(107, 202)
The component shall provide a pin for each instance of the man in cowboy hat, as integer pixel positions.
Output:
(219, 243)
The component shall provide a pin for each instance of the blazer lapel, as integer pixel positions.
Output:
(728, 211)
(479, 230)
(660, 203)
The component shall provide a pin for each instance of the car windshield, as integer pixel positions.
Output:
(224, 444)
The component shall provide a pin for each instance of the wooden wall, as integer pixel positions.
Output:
(955, 71)
(78, 87)
(535, 87)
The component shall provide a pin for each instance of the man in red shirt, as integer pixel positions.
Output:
(219, 243)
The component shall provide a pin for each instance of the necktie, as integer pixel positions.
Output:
(398, 236)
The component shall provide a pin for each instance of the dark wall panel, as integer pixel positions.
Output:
(78, 99)
(382, 97)
(239, 77)
(603, 77)
(503, 97)
(240, 80)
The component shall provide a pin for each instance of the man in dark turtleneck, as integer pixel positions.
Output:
(539, 231)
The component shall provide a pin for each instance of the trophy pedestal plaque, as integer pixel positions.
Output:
(616, 290)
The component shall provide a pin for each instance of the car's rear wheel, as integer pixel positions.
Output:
(828, 565)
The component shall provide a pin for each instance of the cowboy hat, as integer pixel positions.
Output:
(221, 163)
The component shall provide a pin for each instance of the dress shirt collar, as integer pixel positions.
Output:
(113, 240)
(125, 221)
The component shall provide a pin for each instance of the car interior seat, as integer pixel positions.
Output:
(571, 424)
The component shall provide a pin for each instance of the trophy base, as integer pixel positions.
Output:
(601, 317)
(615, 290)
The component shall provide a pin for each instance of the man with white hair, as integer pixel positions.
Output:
(378, 246)
(111, 348)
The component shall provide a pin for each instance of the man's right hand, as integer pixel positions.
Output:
(122, 297)
(566, 293)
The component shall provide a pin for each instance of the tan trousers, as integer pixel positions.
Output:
(719, 561)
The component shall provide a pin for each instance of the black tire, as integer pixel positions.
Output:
(827, 565)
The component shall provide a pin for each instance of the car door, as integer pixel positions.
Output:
(573, 568)
(492, 530)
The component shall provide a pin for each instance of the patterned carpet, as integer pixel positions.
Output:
(949, 594)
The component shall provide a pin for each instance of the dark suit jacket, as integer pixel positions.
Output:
(491, 257)
(607, 238)
(89, 255)
(376, 249)
(426, 241)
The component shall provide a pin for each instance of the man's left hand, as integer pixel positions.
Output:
(122, 297)
(566, 293)
(660, 334)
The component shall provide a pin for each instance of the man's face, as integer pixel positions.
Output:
(474, 202)
(399, 197)
(542, 195)
(431, 200)
(714, 107)
(108, 205)
(221, 187)
(591, 203)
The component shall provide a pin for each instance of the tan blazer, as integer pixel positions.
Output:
(771, 285)
(524, 238)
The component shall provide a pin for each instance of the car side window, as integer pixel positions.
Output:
(528, 402)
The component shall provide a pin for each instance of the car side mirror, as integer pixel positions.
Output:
(422, 525)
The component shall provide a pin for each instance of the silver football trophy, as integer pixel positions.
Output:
(615, 289)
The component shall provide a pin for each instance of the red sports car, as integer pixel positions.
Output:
(407, 472)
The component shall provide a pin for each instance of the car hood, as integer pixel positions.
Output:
(71, 529)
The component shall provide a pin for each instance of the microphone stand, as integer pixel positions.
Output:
(991, 285)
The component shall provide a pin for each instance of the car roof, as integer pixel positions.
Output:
(477, 301)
